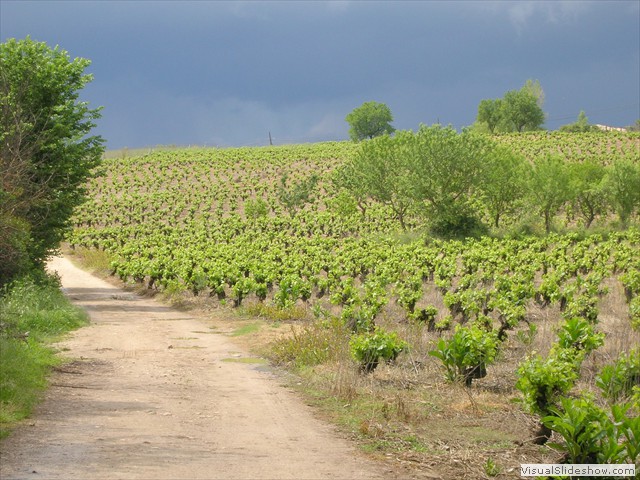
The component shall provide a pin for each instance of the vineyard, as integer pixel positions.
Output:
(491, 345)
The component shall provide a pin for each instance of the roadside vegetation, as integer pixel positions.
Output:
(47, 154)
(33, 313)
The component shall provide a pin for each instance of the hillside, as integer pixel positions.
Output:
(248, 227)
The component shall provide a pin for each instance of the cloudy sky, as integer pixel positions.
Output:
(228, 73)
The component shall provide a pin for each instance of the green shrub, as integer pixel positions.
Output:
(579, 334)
(617, 381)
(369, 348)
(543, 380)
(467, 354)
(591, 435)
(32, 311)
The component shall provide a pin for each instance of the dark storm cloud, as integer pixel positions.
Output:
(227, 73)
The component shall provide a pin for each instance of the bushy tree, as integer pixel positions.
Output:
(490, 112)
(586, 190)
(518, 111)
(369, 120)
(434, 170)
(622, 187)
(381, 170)
(46, 151)
(504, 183)
(580, 125)
(549, 186)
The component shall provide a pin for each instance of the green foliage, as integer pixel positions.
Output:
(491, 468)
(467, 353)
(518, 111)
(296, 195)
(370, 348)
(591, 435)
(622, 187)
(543, 381)
(256, 208)
(586, 190)
(617, 381)
(47, 153)
(579, 334)
(369, 120)
(504, 183)
(634, 312)
(548, 186)
(581, 125)
(32, 311)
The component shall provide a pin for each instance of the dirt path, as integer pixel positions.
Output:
(154, 394)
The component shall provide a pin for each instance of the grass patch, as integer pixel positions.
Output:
(33, 312)
(94, 260)
(249, 360)
(246, 329)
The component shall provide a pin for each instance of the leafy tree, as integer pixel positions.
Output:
(521, 110)
(46, 151)
(622, 187)
(435, 170)
(369, 120)
(490, 112)
(580, 125)
(517, 111)
(504, 182)
(548, 186)
(447, 170)
(381, 169)
(587, 194)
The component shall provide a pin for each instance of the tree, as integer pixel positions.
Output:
(504, 182)
(46, 151)
(448, 169)
(369, 120)
(521, 110)
(517, 111)
(435, 170)
(490, 112)
(587, 194)
(622, 187)
(580, 125)
(381, 170)
(296, 195)
(548, 186)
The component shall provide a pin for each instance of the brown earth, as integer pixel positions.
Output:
(156, 393)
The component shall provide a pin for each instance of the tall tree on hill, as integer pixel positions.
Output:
(369, 120)
(46, 151)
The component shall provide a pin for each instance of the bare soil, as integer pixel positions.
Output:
(152, 392)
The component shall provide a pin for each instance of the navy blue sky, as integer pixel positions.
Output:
(228, 73)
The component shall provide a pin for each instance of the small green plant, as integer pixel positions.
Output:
(491, 468)
(369, 348)
(591, 435)
(467, 354)
(426, 315)
(579, 334)
(617, 381)
(542, 382)
(634, 312)
(256, 208)
(527, 336)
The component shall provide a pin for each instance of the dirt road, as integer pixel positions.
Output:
(155, 394)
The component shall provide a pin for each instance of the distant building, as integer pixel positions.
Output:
(607, 128)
